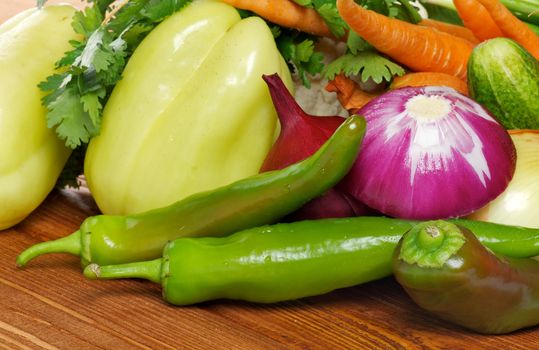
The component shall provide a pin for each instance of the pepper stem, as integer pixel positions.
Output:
(69, 244)
(431, 243)
(150, 270)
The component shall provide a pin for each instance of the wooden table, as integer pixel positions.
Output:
(49, 305)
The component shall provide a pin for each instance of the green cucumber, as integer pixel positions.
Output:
(504, 78)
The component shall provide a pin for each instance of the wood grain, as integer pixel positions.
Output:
(49, 305)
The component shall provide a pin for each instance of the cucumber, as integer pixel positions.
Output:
(504, 78)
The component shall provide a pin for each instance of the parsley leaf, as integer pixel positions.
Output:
(367, 64)
(298, 50)
(86, 21)
(75, 98)
(356, 44)
(361, 58)
(72, 123)
(330, 14)
(327, 9)
(157, 10)
(400, 9)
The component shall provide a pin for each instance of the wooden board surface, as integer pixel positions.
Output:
(49, 305)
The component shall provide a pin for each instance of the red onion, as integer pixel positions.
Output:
(302, 135)
(430, 153)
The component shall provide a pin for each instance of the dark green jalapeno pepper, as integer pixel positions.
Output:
(448, 272)
(287, 261)
(257, 200)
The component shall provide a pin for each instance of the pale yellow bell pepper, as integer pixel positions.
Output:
(191, 113)
(31, 156)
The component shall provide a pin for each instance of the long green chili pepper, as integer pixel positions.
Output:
(448, 272)
(257, 200)
(290, 260)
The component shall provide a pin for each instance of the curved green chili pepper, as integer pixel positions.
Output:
(257, 200)
(284, 261)
(448, 272)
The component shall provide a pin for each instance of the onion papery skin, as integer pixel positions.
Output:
(430, 168)
(301, 135)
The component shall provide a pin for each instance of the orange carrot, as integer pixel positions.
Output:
(449, 28)
(512, 27)
(420, 48)
(430, 79)
(348, 93)
(286, 13)
(476, 17)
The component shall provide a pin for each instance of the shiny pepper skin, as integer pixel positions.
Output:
(448, 272)
(191, 113)
(31, 156)
(286, 261)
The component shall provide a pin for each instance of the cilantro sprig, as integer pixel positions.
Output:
(361, 59)
(298, 49)
(75, 97)
(327, 9)
(367, 64)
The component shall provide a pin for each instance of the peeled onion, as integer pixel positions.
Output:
(519, 203)
(430, 153)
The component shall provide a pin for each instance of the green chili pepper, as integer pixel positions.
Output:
(289, 260)
(448, 272)
(257, 200)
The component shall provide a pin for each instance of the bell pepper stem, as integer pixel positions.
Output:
(431, 243)
(150, 270)
(69, 244)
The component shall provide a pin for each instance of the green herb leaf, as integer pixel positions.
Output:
(298, 50)
(91, 104)
(87, 20)
(366, 64)
(356, 43)
(327, 9)
(70, 56)
(402, 10)
(157, 10)
(72, 123)
(330, 14)
(75, 99)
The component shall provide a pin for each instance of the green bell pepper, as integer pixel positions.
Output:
(191, 113)
(31, 156)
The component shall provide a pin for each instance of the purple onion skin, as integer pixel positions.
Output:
(301, 136)
(333, 204)
(418, 169)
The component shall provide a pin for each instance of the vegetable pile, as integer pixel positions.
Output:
(182, 117)
(173, 142)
